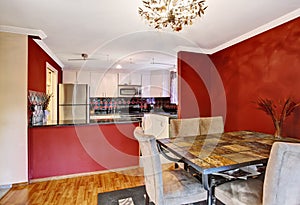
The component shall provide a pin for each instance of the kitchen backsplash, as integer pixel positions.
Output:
(131, 105)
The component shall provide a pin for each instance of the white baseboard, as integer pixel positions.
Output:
(80, 174)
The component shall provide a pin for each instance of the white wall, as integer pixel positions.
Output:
(13, 108)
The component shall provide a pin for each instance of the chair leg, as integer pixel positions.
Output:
(186, 167)
(147, 200)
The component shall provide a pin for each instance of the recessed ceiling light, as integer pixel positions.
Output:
(118, 66)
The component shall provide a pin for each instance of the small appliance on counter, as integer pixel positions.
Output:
(73, 103)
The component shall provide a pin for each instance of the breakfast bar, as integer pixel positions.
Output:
(66, 149)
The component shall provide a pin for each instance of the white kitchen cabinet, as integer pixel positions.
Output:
(81, 77)
(95, 83)
(69, 76)
(104, 84)
(101, 84)
(160, 83)
(146, 84)
(130, 78)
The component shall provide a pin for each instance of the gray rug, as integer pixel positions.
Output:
(131, 196)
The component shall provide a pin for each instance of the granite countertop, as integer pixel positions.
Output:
(91, 122)
(103, 119)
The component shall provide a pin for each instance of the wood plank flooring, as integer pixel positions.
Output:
(81, 190)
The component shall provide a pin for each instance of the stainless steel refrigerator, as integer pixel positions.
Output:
(73, 106)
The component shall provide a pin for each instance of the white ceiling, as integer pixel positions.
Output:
(112, 32)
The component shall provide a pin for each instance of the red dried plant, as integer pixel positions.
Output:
(278, 117)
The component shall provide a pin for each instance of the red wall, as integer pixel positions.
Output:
(266, 65)
(37, 59)
(63, 150)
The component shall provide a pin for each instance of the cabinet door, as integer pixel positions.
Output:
(104, 84)
(146, 85)
(160, 83)
(69, 76)
(83, 77)
(110, 83)
(124, 79)
(130, 78)
(135, 79)
(95, 88)
(166, 83)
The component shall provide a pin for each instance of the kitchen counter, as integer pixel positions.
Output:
(106, 119)
(63, 149)
(92, 122)
(67, 147)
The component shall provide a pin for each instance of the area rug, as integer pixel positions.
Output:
(131, 196)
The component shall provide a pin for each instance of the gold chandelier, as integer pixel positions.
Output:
(172, 13)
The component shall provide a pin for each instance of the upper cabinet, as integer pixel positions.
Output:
(146, 84)
(83, 77)
(69, 76)
(160, 83)
(131, 78)
(106, 85)
(154, 83)
(101, 84)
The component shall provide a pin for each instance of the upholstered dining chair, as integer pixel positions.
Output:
(158, 126)
(281, 185)
(166, 187)
(184, 127)
(211, 125)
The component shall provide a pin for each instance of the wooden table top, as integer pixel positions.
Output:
(220, 152)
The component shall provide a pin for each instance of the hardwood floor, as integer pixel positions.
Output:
(79, 190)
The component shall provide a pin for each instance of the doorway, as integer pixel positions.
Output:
(51, 89)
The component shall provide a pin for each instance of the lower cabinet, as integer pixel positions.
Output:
(63, 150)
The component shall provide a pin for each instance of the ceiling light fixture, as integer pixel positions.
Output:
(172, 13)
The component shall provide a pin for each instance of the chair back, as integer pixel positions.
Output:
(282, 179)
(184, 127)
(157, 125)
(152, 166)
(211, 125)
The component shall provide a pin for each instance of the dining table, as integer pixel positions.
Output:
(213, 154)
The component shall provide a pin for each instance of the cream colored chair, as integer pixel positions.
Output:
(158, 126)
(211, 125)
(280, 187)
(184, 127)
(168, 187)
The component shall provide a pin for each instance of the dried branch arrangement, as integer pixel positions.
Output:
(278, 112)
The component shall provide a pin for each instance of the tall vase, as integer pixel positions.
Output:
(45, 116)
(277, 133)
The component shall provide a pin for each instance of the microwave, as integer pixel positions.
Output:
(129, 90)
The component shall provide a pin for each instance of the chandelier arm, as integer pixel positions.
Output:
(172, 13)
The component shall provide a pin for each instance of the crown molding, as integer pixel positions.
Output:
(37, 35)
(272, 24)
(25, 31)
(49, 52)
